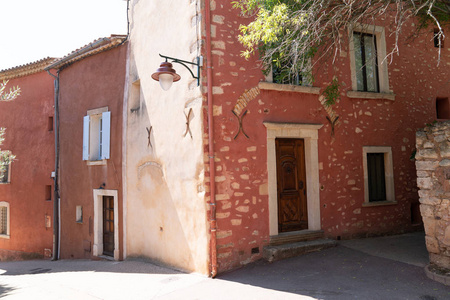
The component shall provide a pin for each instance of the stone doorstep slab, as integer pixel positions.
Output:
(295, 236)
(274, 253)
(437, 277)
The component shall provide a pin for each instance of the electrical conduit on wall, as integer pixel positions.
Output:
(212, 169)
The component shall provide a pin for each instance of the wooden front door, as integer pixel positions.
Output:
(291, 185)
(108, 225)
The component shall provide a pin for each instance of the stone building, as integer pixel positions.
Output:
(217, 172)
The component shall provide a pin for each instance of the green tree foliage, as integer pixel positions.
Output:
(5, 156)
(288, 33)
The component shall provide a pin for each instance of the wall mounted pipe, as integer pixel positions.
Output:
(56, 201)
(212, 168)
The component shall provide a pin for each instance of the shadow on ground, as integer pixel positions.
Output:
(342, 273)
(5, 290)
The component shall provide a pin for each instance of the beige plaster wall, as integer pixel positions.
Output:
(165, 204)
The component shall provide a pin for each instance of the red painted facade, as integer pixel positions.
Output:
(241, 163)
(30, 137)
(90, 83)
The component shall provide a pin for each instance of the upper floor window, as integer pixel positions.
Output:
(366, 62)
(283, 75)
(96, 134)
(442, 108)
(5, 167)
(367, 59)
(438, 39)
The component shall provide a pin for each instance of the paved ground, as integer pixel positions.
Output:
(380, 268)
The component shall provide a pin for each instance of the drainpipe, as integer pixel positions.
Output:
(212, 167)
(56, 208)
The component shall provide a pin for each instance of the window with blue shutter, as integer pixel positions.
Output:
(96, 135)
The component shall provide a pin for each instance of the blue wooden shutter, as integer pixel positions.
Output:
(106, 133)
(86, 138)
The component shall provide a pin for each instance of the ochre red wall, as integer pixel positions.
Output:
(94, 82)
(27, 137)
(241, 164)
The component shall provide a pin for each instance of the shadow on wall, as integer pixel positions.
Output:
(154, 229)
(11, 255)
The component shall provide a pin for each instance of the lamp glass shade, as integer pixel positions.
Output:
(165, 80)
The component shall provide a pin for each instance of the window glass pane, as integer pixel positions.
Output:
(370, 63)
(366, 65)
(100, 138)
(358, 61)
(4, 169)
(282, 76)
(3, 220)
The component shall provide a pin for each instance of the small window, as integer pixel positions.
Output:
(365, 46)
(135, 99)
(5, 167)
(4, 219)
(438, 39)
(96, 135)
(50, 124)
(283, 76)
(442, 108)
(48, 193)
(378, 175)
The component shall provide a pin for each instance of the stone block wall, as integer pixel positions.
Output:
(433, 180)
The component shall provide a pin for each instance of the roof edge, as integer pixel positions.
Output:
(27, 69)
(97, 46)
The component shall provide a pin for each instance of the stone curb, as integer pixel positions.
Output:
(436, 277)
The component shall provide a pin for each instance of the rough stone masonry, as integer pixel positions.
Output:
(433, 180)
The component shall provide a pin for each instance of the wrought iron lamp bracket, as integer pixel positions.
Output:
(199, 64)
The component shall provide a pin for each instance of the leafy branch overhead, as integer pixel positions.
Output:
(13, 93)
(290, 32)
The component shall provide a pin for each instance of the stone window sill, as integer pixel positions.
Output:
(370, 95)
(4, 236)
(96, 162)
(379, 203)
(289, 88)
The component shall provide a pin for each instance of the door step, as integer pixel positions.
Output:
(278, 252)
(295, 236)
